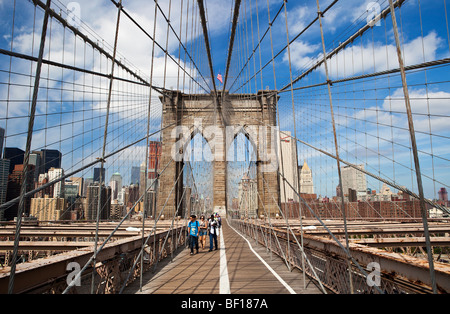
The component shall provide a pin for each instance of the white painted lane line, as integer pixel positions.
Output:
(224, 282)
(267, 265)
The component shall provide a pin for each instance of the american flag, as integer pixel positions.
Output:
(219, 77)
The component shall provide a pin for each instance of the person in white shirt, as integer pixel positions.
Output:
(213, 229)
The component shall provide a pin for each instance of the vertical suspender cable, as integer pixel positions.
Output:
(144, 210)
(275, 87)
(27, 150)
(207, 45)
(335, 141)
(102, 162)
(230, 45)
(295, 146)
(414, 147)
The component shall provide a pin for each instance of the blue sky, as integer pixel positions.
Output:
(369, 113)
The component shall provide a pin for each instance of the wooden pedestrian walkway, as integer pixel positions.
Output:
(233, 269)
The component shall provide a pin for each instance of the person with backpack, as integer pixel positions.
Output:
(193, 230)
(213, 230)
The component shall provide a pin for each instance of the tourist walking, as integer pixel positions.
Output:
(193, 230)
(219, 220)
(203, 231)
(213, 228)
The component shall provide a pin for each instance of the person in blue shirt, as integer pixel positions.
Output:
(193, 229)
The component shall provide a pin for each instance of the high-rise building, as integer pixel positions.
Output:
(2, 139)
(46, 208)
(79, 182)
(443, 195)
(92, 202)
(116, 185)
(15, 181)
(353, 179)
(248, 196)
(49, 158)
(87, 182)
(131, 195)
(35, 159)
(121, 196)
(15, 156)
(142, 188)
(114, 190)
(4, 172)
(306, 180)
(97, 175)
(287, 157)
(58, 188)
(135, 171)
(154, 157)
(116, 210)
(43, 179)
(70, 192)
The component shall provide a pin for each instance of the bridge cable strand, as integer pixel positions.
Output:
(154, 184)
(27, 151)
(414, 148)
(105, 134)
(320, 14)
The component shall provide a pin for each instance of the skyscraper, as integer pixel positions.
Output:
(92, 202)
(135, 171)
(154, 157)
(35, 159)
(116, 185)
(42, 180)
(306, 180)
(4, 172)
(58, 188)
(2, 139)
(49, 158)
(142, 188)
(97, 175)
(353, 179)
(15, 156)
(443, 195)
(288, 167)
(79, 182)
(15, 180)
(87, 182)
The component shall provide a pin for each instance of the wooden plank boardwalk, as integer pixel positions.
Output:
(206, 272)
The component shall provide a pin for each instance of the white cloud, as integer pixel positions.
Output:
(368, 58)
(379, 57)
(389, 122)
(422, 103)
(302, 54)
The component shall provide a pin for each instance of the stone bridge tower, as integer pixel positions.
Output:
(184, 115)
